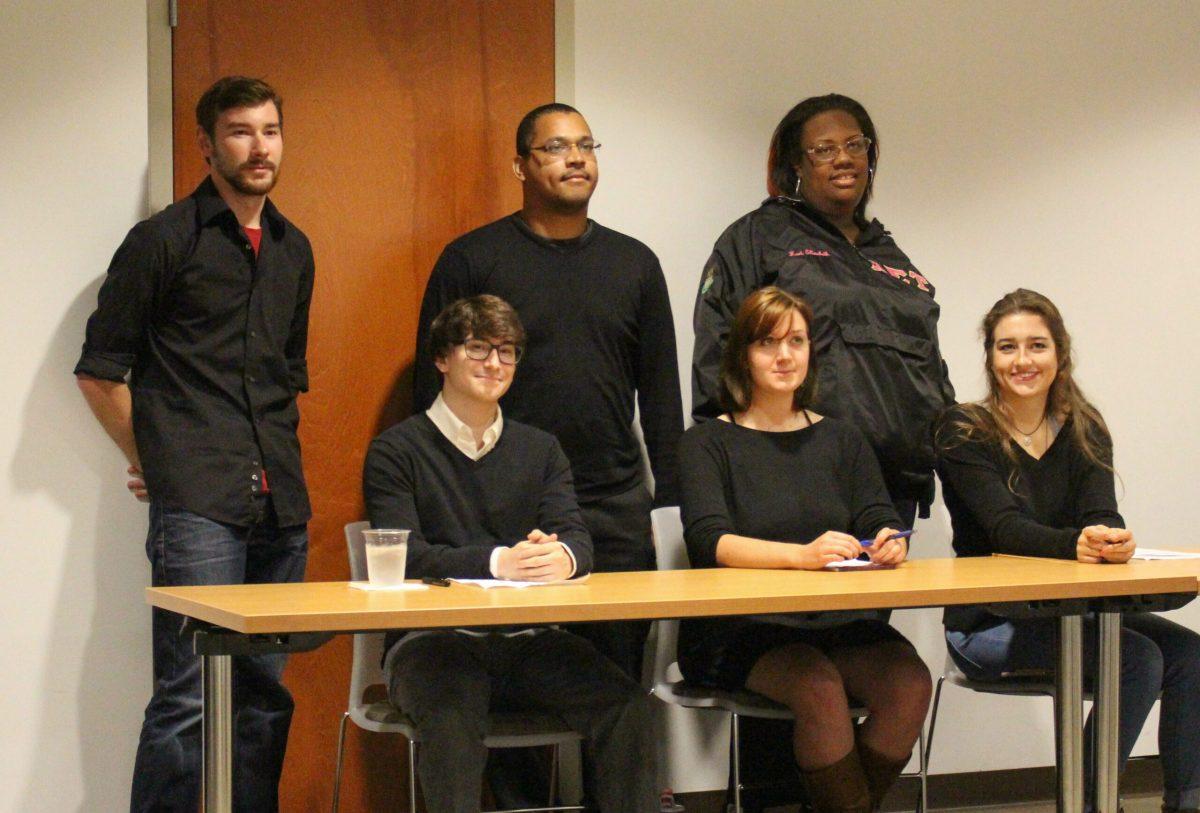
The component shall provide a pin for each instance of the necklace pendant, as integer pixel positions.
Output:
(1028, 440)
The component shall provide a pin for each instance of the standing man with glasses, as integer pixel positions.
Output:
(192, 363)
(595, 304)
(600, 333)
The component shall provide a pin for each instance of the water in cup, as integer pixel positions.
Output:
(387, 550)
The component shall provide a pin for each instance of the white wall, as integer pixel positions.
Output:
(1052, 146)
(74, 657)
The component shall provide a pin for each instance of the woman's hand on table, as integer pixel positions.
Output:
(1099, 543)
(831, 546)
(888, 551)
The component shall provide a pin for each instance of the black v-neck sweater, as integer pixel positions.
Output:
(460, 509)
(1051, 500)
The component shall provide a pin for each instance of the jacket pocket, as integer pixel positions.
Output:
(870, 335)
(888, 384)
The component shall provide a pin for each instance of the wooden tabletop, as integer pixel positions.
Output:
(337, 607)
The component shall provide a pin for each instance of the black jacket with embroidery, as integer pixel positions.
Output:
(874, 332)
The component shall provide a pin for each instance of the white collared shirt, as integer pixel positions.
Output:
(458, 433)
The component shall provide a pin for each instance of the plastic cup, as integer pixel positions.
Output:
(387, 551)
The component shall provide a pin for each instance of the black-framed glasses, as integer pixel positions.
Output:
(826, 153)
(479, 350)
(561, 148)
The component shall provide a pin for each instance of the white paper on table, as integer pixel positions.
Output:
(1157, 553)
(848, 563)
(488, 584)
(392, 588)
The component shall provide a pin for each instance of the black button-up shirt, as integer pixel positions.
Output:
(213, 341)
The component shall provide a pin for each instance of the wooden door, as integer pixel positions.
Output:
(399, 120)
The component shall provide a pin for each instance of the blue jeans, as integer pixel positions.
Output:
(1157, 655)
(186, 549)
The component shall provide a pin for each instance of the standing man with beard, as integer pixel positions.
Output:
(192, 363)
(594, 303)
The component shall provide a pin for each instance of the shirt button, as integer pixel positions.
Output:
(253, 334)
(254, 477)
(251, 379)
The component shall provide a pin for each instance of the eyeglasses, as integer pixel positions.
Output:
(827, 153)
(479, 350)
(559, 148)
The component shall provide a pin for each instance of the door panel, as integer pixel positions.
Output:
(398, 132)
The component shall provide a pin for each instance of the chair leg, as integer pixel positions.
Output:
(937, 699)
(337, 772)
(553, 775)
(735, 750)
(923, 800)
(412, 777)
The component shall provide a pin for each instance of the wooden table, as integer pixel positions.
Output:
(275, 617)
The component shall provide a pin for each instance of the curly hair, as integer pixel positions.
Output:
(481, 317)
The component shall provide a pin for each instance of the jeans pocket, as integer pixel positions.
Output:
(958, 644)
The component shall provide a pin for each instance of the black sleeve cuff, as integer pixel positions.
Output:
(104, 366)
(298, 374)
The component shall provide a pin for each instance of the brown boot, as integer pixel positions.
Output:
(838, 788)
(880, 771)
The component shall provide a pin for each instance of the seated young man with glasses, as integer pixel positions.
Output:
(489, 497)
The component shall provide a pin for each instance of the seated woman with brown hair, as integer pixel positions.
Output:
(772, 484)
(1028, 470)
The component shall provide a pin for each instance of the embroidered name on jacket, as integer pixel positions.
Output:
(907, 277)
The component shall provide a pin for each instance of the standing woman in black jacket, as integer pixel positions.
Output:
(1028, 471)
(875, 318)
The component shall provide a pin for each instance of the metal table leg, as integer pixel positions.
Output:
(1069, 686)
(218, 733)
(216, 646)
(1107, 711)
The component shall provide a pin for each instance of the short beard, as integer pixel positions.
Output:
(233, 176)
(247, 187)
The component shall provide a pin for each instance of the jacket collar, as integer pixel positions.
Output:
(871, 233)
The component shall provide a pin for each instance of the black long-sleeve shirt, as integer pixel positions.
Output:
(779, 486)
(1051, 500)
(599, 325)
(213, 341)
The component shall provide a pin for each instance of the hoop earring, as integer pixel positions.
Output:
(797, 192)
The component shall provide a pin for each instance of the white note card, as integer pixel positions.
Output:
(389, 588)
(488, 584)
(1156, 553)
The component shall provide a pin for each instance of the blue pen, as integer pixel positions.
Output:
(866, 543)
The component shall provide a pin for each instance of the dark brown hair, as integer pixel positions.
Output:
(230, 92)
(787, 148)
(480, 317)
(758, 317)
(989, 419)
